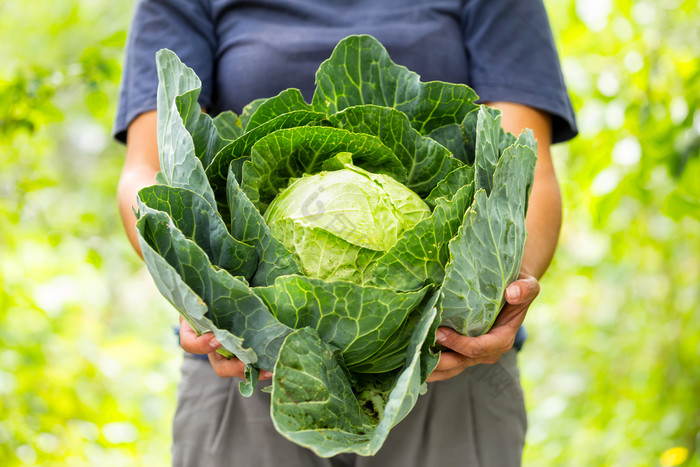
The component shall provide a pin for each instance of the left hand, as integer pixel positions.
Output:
(467, 351)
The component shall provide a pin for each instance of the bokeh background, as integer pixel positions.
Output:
(88, 359)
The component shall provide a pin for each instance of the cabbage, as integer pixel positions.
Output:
(336, 222)
(325, 242)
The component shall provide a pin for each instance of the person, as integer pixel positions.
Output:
(473, 413)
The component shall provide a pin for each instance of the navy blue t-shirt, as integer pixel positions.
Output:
(243, 50)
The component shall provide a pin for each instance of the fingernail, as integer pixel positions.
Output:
(265, 374)
(441, 336)
(512, 292)
(214, 343)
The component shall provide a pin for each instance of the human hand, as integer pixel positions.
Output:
(467, 351)
(208, 344)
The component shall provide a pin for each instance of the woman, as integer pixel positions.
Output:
(473, 414)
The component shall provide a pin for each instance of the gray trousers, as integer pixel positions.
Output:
(476, 419)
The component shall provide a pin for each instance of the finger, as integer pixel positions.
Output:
(441, 375)
(451, 364)
(523, 290)
(486, 345)
(192, 343)
(450, 361)
(453, 361)
(227, 367)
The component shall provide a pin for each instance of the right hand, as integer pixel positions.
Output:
(208, 344)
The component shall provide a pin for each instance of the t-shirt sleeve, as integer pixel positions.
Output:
(513, 58)
(183, 26)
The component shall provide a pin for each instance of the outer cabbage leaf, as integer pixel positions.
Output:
(199, 222)
(420, 255)
(355, 319)
(285, 102)
(460, 138)
(241, 321)
(426, 161)
(228, 124)
(392, 353)
(205, 136)
(491, 141)
(488, 130)
(170, 283)
(174, 79)
(451, 184)
(360, 71)
(248, 225)
(315, 405)
(209, 135)
(180, 167)
(455, 138)
(249, 110)
(486, 253)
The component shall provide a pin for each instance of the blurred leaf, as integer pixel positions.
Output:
(118, 39)
(98, 103)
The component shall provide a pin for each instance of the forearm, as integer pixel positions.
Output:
(130, 183)
(140, 169)
(543, 223)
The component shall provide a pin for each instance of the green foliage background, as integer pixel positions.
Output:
(88, 360)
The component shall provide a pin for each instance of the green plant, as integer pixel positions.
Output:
(250, 237)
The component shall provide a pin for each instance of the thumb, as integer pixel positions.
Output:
(523, 290)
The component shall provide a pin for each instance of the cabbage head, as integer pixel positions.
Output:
(325, 242)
